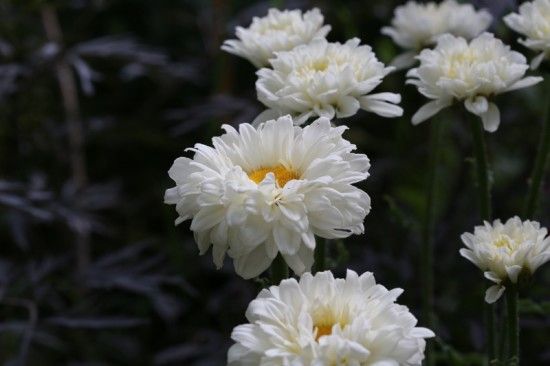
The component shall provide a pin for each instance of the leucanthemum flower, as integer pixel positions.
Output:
(277, 31)
(416, 26)
(504, 251)
(321, 321)
(260, 192)
(472, 73)
(533, 21)
(326, 80)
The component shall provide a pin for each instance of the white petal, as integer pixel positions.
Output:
(493, 293)
(491, 118)
(404, 60)
(429, 109)
(491, 276)
(382, 104)
(477, 105)
(513, 272)
(252, 264)
(535, 63)
(267, 115)
(524, 83)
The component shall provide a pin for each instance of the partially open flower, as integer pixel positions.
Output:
(504, 251)
(472, 73)
(326, 80)
(533, 21)
(321, 320)
(416, 26)
(277, 31)
(260, 192)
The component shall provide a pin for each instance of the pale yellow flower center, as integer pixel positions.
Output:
(324, 318)
(282, 174)
(504, 241)
(458, 61)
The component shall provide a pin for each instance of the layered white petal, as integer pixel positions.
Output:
(533, 22)
(470, 72)
(418, 25)
(277, 31)
(506, 251)
(262, 191)
(326, 80)
(321, 321)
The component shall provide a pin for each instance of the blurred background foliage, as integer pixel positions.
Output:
(97, 98)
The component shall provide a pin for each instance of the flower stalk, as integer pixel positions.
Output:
(513, 325)
(482, 169)
(541, 161)
(484, 196)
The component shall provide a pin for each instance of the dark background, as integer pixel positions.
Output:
(92, 269)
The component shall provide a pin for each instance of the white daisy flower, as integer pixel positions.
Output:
(326, 80)
(260, 192)
(533, 21)
(321, 321)
(416, 26)
(277, 31)
(472, 73)
(504, 251)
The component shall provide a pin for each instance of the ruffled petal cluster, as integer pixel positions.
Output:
(469, 72)
(418, 25)
(326, 80)
(277, 31)
(321, 321)
(533, 21)
(259, 192)
(504, 251)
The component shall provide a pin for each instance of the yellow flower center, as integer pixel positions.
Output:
(322, 330)
(506, 242)
(325, 317)
(282, 174)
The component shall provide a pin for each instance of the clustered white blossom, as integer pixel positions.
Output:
(326, 80)
(504, 251)
(418, 25)
(322, 321)
(277, 31)
(533, 21)
(268, 188)
(469, 72)
(262, 191)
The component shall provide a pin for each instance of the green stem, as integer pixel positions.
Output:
(321, 255)
(279, 270)
(513, 324)
(490, 324)
(541, 162)
(482, 169)
(427, 248)
(484, 195)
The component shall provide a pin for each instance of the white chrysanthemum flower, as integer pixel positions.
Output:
(260, 192)
(472, 73)
(326, 80)
(277, 31)
(533, 21)
(416, 26)
(322, 321)
(503, 251)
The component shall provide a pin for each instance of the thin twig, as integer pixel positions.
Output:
(69, 95)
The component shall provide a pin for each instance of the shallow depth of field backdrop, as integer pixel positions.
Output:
(92, 269)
